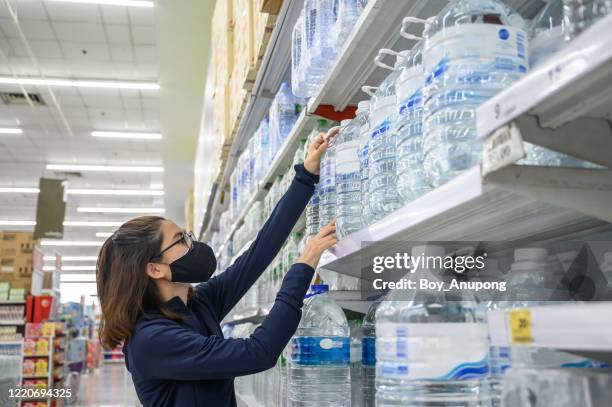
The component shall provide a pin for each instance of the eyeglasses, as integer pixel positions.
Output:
(187, 237)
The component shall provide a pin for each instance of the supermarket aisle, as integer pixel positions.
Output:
(110, 386)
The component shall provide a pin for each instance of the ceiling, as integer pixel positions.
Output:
(102, 42)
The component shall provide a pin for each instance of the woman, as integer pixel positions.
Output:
(173, 344)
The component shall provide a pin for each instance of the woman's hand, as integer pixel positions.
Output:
(316, 149)
(320, 242)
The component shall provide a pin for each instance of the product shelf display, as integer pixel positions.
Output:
(476, 121)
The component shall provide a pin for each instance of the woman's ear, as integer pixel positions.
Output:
(155, 271)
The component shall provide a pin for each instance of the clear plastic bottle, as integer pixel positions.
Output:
(363, 117)
(284, 112)
(312, 209)
(532, 280)
(348, 179)
(581, 14)
(348, 13)
(408, 128)
(431, 348)
(355, 361)
(320, 354)
(297, 61)
(382, 177)
(547, 33)
(327, 186)
(368, 357)
(473, 49)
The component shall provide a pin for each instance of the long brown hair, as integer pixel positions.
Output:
(124, 288)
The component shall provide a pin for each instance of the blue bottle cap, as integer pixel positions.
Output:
(319, 288)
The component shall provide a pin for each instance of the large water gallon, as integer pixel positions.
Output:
(534, 280)
(431, 347)
(320, 354)
(327, 185)
(348, 180)
(547, 32)
(347, 14)
(284, 112)
(473, 49)
(382, 177)
(412, 181)
(363, 117)
(368, 357)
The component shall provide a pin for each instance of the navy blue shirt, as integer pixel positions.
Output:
(188, 362)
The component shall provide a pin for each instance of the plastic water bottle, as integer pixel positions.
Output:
(297, 62)
(320, 354)
(284, 112)
(348, 13)
(581, 14)
(327, 186)
(368, 357)
(361, 5)
(319, 18)
(312, 209)
(348, 179)
(363, 117)
(431, 348)
(533, 279)
(473, 50)
(408, 128)
(382, 177)
(547, 32)
(355, 361)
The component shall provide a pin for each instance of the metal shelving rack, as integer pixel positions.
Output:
(564, 104)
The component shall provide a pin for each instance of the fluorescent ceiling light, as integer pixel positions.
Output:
(96, 223)
(127, 135)
(71, 268)
(72, 258)
(10, 130)
(78, 278)
(119, 210)
(127, 3)
(102, 168)
(17, 223)
(79, 83)
(84, 191)
(69, 243)
(104, 234)
(131, 192)
(85, 223)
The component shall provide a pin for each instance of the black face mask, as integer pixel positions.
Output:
(196, 266)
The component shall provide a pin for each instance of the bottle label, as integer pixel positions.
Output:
(368, 351)
(434, 351)
(320, 350)
(347, 159)
(413, 102)
(381, 130)
(482, 48)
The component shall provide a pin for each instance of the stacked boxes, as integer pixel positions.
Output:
(20, 258)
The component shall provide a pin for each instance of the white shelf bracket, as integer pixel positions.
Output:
(588, 191)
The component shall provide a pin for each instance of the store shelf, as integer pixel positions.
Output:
(579, 328)
(573, 88)
(12, 302)
(512, 203)
(378, 27)
(10, 322)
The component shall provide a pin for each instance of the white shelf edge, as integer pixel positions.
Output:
(542, 85)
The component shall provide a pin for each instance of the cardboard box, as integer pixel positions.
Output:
(16, 243)
(270, 6)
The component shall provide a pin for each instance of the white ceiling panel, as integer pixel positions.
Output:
(143, 34)
(85, 51)
(118, 34)
(122, 53)
(146, 53)
(115, 15)
(73, 12)
(28, 9)
(142, 15)
(37, 29)
(87, 32)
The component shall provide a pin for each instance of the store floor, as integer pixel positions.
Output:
(109, 386)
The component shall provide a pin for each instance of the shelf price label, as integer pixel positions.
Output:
(520, 326)
(502, 148)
